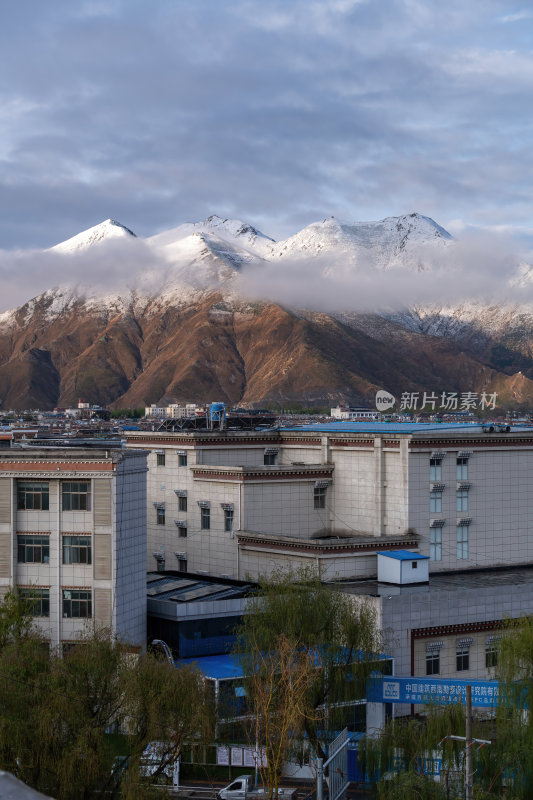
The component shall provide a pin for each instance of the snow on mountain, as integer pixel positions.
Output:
(242, 236)
(109, 229)
(392, 241)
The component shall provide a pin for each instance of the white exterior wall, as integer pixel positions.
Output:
(284, 507)
(116, 577)
(499, 505)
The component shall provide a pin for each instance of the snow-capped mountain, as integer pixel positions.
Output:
(390, 242)
(137, 320)
(109, 229)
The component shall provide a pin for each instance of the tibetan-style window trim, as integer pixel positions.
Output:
(180, 492)
(227, 506)
(437, 523)
(204, 504)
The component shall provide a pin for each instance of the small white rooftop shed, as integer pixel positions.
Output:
(402, 566)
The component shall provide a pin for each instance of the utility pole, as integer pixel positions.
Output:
(469, 772)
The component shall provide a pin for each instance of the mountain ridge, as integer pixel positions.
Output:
(180, 327)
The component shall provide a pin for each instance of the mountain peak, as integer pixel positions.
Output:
(109, 229)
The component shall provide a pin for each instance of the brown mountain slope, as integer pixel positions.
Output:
(211, 349)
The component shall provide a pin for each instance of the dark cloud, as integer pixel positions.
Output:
(277, 113)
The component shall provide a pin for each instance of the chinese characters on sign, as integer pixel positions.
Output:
(417, 690)
(447, 401)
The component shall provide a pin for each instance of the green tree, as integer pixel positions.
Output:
(294, 612)
(57, 711)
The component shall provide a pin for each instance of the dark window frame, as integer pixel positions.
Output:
(205, 519)
(29, 544)
(462, 659)
(182, 459)
(160, 516)
(432, 662)
(76, 601)
(319, 497)
(76, 549)
(229, 515)
(160, 459)
(33, 496)
(182, 503)
(269, 459)
(39, 600)
(76, 499)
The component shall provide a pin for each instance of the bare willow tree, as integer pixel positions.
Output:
(278, 684)
(298, 629)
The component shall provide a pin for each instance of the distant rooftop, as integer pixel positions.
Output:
(403, 427)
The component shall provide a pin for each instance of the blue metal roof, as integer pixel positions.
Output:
(225, 667)
(397, 427)
(403, 555)
(215, 667)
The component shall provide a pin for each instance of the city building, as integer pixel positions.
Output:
(73, 538)
(242, 503)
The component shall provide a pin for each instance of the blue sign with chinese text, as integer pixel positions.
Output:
(427, 691)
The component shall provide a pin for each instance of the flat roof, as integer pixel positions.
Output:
(403, 555)
(402, 427)
(445, 582)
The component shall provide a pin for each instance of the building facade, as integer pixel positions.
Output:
(240, 504)
(73, 538)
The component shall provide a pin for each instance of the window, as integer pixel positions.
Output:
(462, 541)
(205, 519)
(160, 516)
(182, 503)
(77, 603)
(462, 499)
(182, 459)
(160, 459)
(269, 459)
(435, 470)
(462, 657)
(462, 468)
(77, 550)
(33, 496)
(38, 601)
(182, 562)
(491, 655)
(433, 662)
(228, 519)
(435, 502)
(76, 495)
(435, 544)
(320, 497)
(33, 549)
(182, 531)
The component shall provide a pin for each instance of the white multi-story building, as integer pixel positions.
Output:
(240, 504)
(73, 538)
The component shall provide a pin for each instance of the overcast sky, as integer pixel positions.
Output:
(277, 112)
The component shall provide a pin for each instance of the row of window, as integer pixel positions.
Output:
(269, 459)
(435, 500)
(205, 518)
(35, 495)
(435, 542)
(77, 603)
(319, 501)
(161, 459)
(462, 658)
(35, 549)
(435, 468)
